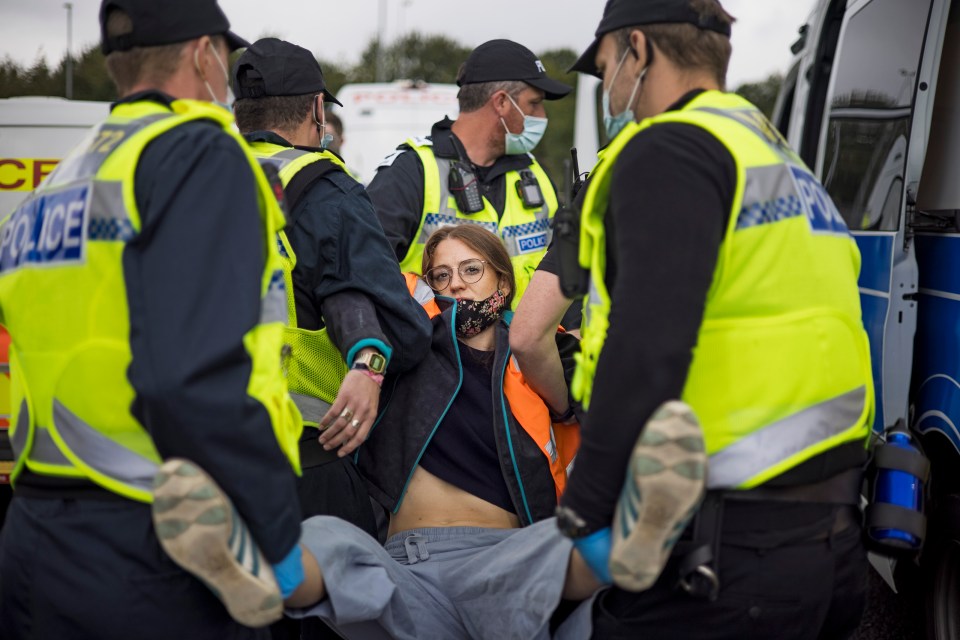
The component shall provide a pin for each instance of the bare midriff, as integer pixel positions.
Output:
(432, 502)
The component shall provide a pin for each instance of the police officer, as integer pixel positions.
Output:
(351, 315)
(478, 168)
(142, 289)
(725, 285)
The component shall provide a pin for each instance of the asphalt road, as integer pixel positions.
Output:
(890, 616)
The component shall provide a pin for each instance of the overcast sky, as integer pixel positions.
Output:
(338, 30)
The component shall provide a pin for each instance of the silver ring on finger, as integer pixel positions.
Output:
(346, 414)
(354, 424)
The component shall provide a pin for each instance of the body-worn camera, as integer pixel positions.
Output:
(529, 190)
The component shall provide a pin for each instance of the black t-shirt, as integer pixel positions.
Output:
(463, 451)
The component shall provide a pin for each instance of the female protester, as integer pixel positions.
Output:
(463, 441)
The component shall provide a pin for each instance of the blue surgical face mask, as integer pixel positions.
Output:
(615, 123)
(228, 103)
(325, 137)
(526, 140)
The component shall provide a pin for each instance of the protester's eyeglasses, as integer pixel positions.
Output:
(470, 272)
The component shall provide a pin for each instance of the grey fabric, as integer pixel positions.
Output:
(451, 583)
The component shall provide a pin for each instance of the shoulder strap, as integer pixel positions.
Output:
(305, 179)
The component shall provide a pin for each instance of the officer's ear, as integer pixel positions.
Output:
(201, 52)
(501, 102)
(638, 49)
(641, 51)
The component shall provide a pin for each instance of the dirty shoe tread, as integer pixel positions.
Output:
(663, 489)
(202, 532)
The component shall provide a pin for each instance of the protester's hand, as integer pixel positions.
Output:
(347, 424)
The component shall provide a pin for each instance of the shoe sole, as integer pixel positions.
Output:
(665, 484)
(194, 521)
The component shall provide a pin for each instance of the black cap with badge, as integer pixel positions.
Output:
(503, 60)
(273, 67)
(158, 23)
(630, 13)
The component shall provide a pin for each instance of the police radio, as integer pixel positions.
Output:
(464, 186)
(574, 279)
(528, 189)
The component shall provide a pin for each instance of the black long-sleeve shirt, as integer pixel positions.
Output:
(670, 198)
(346, 277)
(193, 277)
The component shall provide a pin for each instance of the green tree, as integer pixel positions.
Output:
(763, 94)
(554, 150)
(415, 56)
(334, 75)
(90, 79)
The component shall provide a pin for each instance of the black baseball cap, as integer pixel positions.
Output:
(499, 60)
(273, 67)
(629, 13)
(157, 23)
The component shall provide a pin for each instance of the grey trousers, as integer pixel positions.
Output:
(444, 583)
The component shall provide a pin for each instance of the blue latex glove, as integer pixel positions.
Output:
(289, 572)
(595, 550)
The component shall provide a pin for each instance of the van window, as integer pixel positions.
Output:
(870, 111)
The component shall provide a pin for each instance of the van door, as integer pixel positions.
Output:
(864, 161)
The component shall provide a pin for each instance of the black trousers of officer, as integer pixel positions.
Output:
(329, 486)
(787, 571)
(91, 568)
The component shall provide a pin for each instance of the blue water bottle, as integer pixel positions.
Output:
(900, 488)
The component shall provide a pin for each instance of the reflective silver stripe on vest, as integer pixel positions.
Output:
(45, 450)
(18, 439)
(273, 308)
(101, 453)
(312, 409)
(108, 214)
(91, 154)
(769, 195)
(765, 448)
(283, 158)
(5, 367)
(422, 293)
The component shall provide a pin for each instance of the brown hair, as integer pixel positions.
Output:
(687, 46)
(273, 113)
(489, 246)
(152, 65)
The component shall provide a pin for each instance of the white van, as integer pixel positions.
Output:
(378, 117)
(35, 133)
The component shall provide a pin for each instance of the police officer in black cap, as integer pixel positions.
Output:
(721, 274)
(155, 247)
(478, 169)
(354, 317)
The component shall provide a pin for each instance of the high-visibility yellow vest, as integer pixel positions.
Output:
(315, 367)
(781, 370)
(526, 233)
(63, 299)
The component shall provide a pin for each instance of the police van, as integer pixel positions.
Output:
(35, 134)
(872, 103)
(378, 117)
